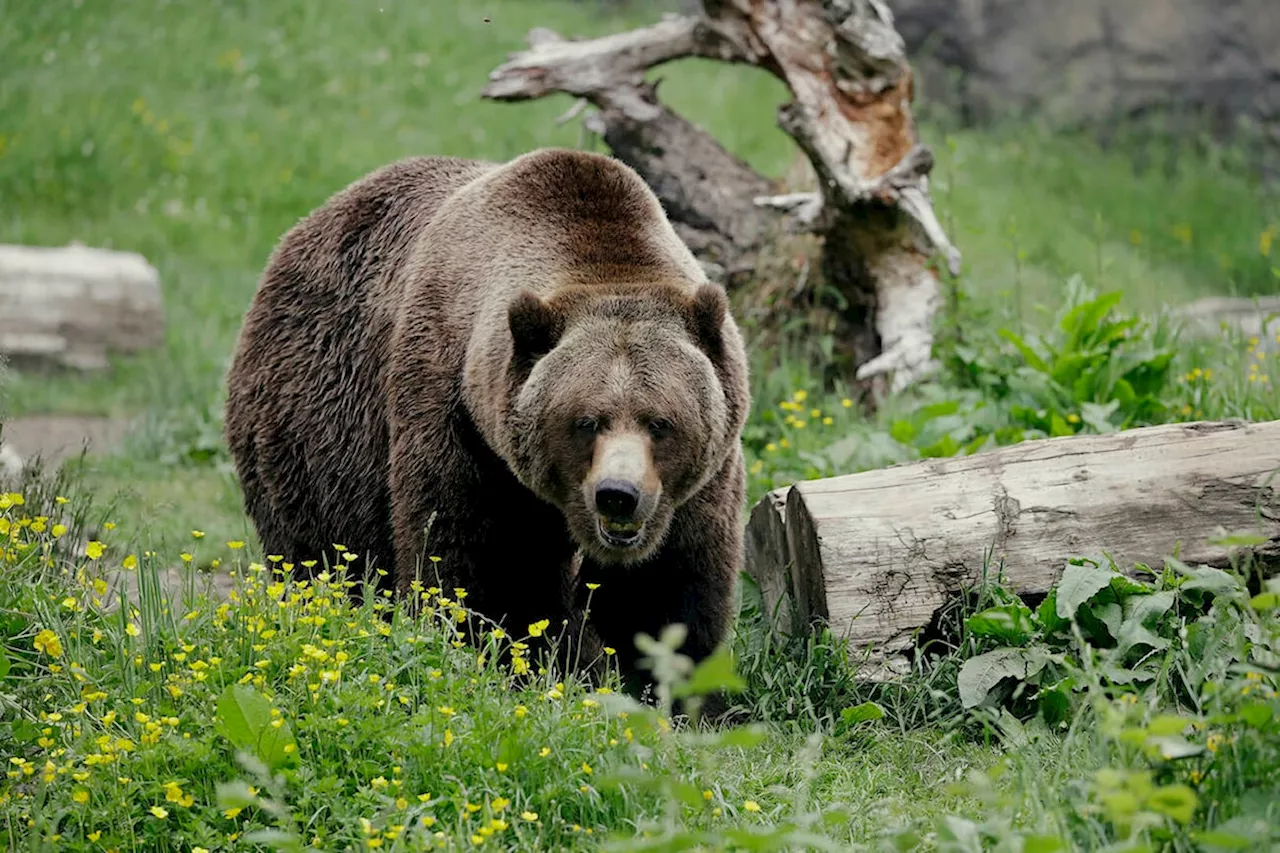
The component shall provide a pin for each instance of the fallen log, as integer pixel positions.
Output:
(850, 114)
(876, 554)
(72, 306)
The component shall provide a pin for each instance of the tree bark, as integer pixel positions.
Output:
(850, 115)
(876, 554)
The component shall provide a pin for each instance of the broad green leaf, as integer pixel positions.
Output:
(1148, 608)
(276, 839)
(1028, 354)
(1079, 583)
(1124, 392)
(979, 674)
(1047, 614)
(1175, 801)
(686, 792)
(863, 713)
(1265, 601)
(1098, 417)
(961, 832)
(1110, 615)
(1087, 316)
(4, 665)
(937, 410)
(1058, 426)
(245, 718)
(1240, 540)
(1055, 701)
(1124, 586)
(902, 431)
(714, 673)
(1123, 675)
(1042, 844)
(1257, 714)
(1210, 579)
(1223, 840)
(1168, 724)
(1142, 611)
(943, 448)
(1009, 624)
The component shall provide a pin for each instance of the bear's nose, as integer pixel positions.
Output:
(617, 498)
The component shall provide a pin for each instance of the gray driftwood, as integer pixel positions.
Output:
(72, 306)
(876, 554)
(850, 114)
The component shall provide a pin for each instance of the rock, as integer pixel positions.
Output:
(1092, 59)
(10, 467)
(74, 305)
(1254, 318)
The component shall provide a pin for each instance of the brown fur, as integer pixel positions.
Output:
(453, 342)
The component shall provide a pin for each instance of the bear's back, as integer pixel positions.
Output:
(306, 419)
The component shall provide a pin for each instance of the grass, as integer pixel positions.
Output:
(197, 133)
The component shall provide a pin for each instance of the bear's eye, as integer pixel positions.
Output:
(660, 428)
(586, 426)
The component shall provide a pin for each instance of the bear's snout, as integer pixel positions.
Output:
(617, 499)
(622, 489)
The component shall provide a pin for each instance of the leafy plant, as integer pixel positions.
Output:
(1094, 369)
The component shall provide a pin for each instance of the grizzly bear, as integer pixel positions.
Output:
(517, 369)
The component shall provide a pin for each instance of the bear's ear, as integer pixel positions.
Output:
(707, 311)
(535, 329)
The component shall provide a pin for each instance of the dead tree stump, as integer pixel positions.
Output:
(850, 115)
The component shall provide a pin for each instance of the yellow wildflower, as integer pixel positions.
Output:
(48, 642)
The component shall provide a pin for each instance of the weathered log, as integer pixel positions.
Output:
(875, 555)
(74, 305)
(847, 71)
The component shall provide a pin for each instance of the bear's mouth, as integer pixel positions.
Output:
(620, 533)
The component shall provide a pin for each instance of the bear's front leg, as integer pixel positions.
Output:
(691, 579)
(453, 499)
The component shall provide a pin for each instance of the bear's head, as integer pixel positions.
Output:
(626, 400)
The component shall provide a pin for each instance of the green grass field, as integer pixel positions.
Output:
(197, 133)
